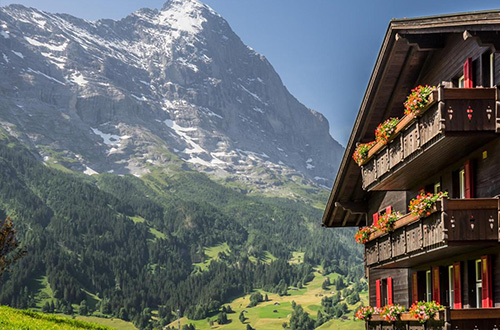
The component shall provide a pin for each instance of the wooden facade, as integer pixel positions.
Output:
(452, 254)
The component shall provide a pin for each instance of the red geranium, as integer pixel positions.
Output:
(423, 203)
(385, 130)
(418, 99)
(361, 152)
(362, 235)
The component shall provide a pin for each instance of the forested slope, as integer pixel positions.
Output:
(129, 245)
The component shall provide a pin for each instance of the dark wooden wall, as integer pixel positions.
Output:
(488, 170)
(495, 269)
(446, 63)
(486, 173)
(400, 284)
(379, 200)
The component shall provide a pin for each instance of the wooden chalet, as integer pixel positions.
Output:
(452, 255)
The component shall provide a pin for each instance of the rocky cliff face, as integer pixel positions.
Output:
(159, 87)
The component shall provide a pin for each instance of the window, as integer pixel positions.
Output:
(385, 300)
(428, 286)
(451, 285)
(492, 69)
(461, 82)
(479, 284)
(437, 187)
(461, 183)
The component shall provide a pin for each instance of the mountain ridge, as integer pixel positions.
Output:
(157, 85)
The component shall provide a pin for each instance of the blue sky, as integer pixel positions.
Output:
(324, 50)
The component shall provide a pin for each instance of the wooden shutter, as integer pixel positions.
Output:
(414, 285)
(469, 179)
(457, 286)
(468, 83)
(378, 293)
(389, 291)
(436, 293)
(487, 291)
(388, 209)
(375, 218)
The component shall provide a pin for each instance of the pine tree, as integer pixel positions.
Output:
(242, 317)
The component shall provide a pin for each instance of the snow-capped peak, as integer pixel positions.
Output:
(176, 80)
(183, 15)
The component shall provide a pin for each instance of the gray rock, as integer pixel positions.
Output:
(165, 87)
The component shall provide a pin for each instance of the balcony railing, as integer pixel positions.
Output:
(459, 319)
(406, 321)
(428, 142)
(464, 221)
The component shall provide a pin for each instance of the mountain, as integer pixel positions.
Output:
(145, 162)
(159, 88)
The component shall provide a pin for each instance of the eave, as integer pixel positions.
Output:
(406, 47)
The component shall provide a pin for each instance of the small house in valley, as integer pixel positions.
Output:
(420, 177)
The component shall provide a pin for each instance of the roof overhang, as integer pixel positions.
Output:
(407, 45)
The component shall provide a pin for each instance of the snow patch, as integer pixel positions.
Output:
(5, 58)
(210, 113)
(142, 98)
(89, 171)
(57, 61)
(56, 48)
(19, 54)
(112, 140)
(5, 34)
(194, 148)
(255, 96)
(78, 79)
(44, 75)
(246, 152)
(182, 16)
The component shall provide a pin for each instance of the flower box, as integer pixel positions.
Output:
(405, 121)
(407, 317)
(403, 221)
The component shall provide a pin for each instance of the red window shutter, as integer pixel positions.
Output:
(457, 286)
(388, 209)
(375, 218)
(377, 290)
(389, 291)
(469, 179)
(487, 291)
(436, 293)
(468, 73)
(414, 282)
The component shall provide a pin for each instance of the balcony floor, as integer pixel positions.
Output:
(424, 257)
(431, 158)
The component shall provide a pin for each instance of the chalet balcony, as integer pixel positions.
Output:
(459, 319)
(456, 122)
(408, 322)
(452, 228)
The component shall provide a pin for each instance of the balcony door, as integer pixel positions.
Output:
(463, 186)
(479, 283)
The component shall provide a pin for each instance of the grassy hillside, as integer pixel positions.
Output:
(270, 315)
(24, 319)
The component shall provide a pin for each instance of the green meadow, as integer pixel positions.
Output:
(273, 313)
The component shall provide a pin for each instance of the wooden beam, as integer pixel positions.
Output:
(332, 218)
(484, 38)
(354, 207)
(423, 42)
(358, 220)
(346, 217)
